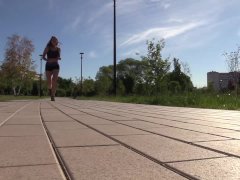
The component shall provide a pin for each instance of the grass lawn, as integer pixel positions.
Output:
(196, 100)
(10, 98)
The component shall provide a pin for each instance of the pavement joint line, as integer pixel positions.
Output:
(162, 118)
(162, 125)
(167, 166)
(230, 139)
(22, 125)
(185, 129)
(190, 143)
(21, 136)
(60, 121)
(127, 120)
(166, 110)
(192, 160)
(18, 110)
(127, 111)
(129, 134)
(86, 146)
(173, 120)
(188, 111)
(27, 165)
(61, 164)
(176, 139)
(136, 119)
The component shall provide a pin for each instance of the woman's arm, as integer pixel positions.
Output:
(59, 50)
(45, 53)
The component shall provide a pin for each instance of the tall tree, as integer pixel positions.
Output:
(88, 87)
(104, 79)
(179, 79)
(233, 62)
(129, 72)
(18, 66)
(156, 66)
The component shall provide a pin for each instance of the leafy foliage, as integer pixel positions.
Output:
(18, 67)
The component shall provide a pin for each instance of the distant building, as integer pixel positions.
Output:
(222, 81)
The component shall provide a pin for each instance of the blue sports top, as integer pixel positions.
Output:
(53, 53)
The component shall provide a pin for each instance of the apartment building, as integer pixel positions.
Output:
(222, 81)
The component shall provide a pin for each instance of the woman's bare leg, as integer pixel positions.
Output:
(49, 79)
(54, 81)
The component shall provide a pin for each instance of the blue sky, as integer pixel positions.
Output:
(197, 32)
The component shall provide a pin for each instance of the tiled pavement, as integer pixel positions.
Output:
(70, 139)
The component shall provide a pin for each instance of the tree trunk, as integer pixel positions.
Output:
(14, 91)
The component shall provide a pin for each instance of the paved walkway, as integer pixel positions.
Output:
(70, 139)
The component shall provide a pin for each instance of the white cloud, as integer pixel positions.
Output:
(165, 32)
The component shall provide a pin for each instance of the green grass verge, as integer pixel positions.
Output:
(196, 100)
(211, 101)
(4, 98)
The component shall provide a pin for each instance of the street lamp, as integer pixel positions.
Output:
(114, 50)
(81, 71)
(40, 76)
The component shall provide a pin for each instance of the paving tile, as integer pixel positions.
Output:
(185, 135)
(112, 163)
(107, 116)
(118, 129)
(4, 116)
(165, 149)
(230, 146)
(30, 119)
(83, 137)
(68, 110)
(56, 116)
(64, 126)
(212, 169)
(87, 119)
(141, 124)
(16, 151)
(38, 172)
(21, 130)
(231, 134)
(195, 127)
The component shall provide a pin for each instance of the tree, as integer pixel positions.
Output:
(184, 81)
(174, 87)
(232, 60)
(186, 69)
(128, 73)
(88, 87)
(156, 66)
(104, 79)
(2, 83)
(18, 67)
(66, 85)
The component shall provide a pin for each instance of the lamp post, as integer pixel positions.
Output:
(40, 76)
(81, 72)
(114, 50)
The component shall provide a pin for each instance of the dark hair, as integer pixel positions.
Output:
(49, 44)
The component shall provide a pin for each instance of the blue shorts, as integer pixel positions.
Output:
(51, 66)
